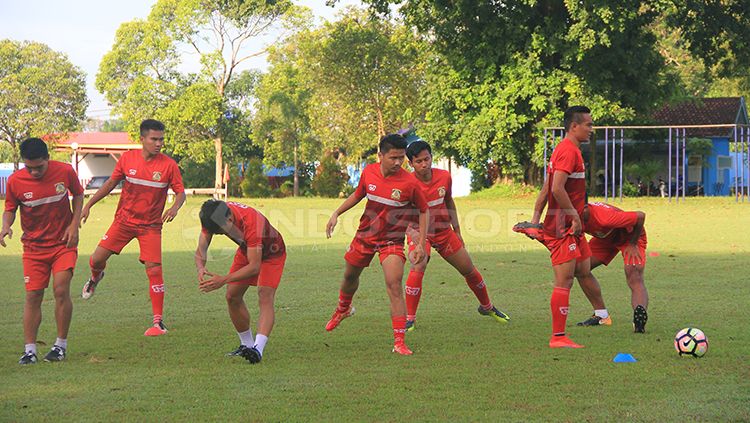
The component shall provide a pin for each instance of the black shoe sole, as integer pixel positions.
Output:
(252, 355)
(640, 317)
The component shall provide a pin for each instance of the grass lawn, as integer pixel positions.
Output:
(465, 368)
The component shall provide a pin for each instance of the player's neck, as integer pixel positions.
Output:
(426, 178)
(385, 172)
(573, 140)
(147, 156)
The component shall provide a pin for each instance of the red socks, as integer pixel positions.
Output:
(559, 306)
(156, 291)
(413, 293)
(345, 301)
(399, 328)
(477, 285)
(95, 272)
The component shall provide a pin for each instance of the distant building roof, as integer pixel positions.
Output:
(704, 111)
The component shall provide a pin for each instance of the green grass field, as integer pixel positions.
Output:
(465, 368)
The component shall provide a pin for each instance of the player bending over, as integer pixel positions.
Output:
(393, 199)
(259, 261)
(443, 234)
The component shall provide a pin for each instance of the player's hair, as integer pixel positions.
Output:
(573, 114)
(34, 148)
(214, 215)
(151, 125)
(417, 147)
(391, 141)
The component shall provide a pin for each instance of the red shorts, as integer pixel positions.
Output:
(605, 250)
(270, 270)
(360, 253)
(149, 239)
(563, 250)
(446, 243)
(40, 263)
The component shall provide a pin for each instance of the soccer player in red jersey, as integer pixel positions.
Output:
(613, 231)
(259, 261)
(148, 175)
(50, 239)
(443, 233)
(393, 199)
(565, 194)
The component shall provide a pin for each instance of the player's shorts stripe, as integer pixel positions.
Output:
(434, 203)
(386, 201)
(147, 183)
(45, 200)
(577, 175)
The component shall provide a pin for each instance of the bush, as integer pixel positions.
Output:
(629, 190)
(255, 183)
(197, 175)
(329, 178)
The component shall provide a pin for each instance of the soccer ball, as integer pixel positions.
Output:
(691, 342)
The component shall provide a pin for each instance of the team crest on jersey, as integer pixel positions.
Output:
(441, 191)
(131, 172)
(396, 194)
(28, 195)
(157, 176)
(371, 187)
(59, 188)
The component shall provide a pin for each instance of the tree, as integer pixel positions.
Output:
(41, 92)
(142, 75)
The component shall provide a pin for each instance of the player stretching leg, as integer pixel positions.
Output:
(444, 234)
(148, 174)
(393, 199)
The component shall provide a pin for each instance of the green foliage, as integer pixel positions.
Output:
(505, 190)
(629, 190)
(255, 183)
(41, 92)
(195, 174)
(329, 178)
(645, 170)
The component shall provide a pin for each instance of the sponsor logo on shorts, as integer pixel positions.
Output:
(26, 279)
(441, 191)
(412, 290)
(131, 172)
(371, 187)
(564, 311)
(157, 288)
(60, 188)
(28, 195)
(572, 247)
(396, 194)
(157, 176)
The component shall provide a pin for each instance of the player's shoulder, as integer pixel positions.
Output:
(57, 166)
(167, 159)
(440, 174)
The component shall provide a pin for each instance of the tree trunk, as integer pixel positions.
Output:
(219, 182)
(296, 172)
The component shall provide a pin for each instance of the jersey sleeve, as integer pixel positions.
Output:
(448, 186)
(253, 233)
(609, 218)
(176, 182)
(74, 185)
(11, 202)
(361, 191)
(118, 174)
(565, 161)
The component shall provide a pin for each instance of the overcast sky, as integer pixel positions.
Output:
(85, 30)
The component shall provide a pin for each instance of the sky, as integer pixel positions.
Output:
(85, 29)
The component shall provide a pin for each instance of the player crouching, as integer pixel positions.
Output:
(259, 261)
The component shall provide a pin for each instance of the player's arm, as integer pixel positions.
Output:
(566, 206)
(424, 219)
(201, 253)
(251, 269)
(171, 212)
(632, 253)
(350, 202)
(540, 203)
(102, 192)
(71, 234)
(453, 213)
(8, 218)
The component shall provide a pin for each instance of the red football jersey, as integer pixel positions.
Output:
(256, 230)
(45, 207)
(566, 158)
(392, 203)
(435, 192)
(606, 221)
(145, 190)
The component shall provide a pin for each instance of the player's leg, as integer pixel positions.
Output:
(149, 241)
(116, 238)
(268, 281)
(393, 271)
(564, 261)
(239, 315)
(593, 291)
(413, 288)
(461, 261)
(349, 286)
(639, 296)
(63, 313)
(32, 318)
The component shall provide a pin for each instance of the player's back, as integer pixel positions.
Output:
(257, 230)
(607, 221)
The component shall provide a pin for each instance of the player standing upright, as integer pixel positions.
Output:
(563, 231)
(444, 234)
(50, 239)
(148, 175)
(259, 261)
(393, 199)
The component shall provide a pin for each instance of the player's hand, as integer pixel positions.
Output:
(202, 273)
(84, 215)
(576, 227)
(412, 232)
(418, 254)
(331, 224)
(212, 283)
(71, 236)
(632, 255)
(5, 232)
(169, 215)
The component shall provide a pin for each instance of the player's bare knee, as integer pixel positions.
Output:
(234, 298)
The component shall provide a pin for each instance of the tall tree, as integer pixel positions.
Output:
(41, 92)
(142, 76)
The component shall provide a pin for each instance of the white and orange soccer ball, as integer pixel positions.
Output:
(691, 342)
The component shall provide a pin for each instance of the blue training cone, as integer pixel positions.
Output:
(624, 358)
